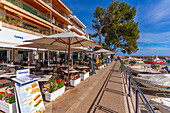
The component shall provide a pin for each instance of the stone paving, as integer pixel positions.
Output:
(99, 93)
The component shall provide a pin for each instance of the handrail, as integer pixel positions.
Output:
(139, 93)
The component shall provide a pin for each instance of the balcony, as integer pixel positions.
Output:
(26, 11)
(25, 26)
(81, 29)
(61, 7)
(30, 9)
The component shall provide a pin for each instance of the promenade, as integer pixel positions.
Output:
(100, 93)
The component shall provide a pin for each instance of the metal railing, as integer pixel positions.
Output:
(30, 9)
(129, 80)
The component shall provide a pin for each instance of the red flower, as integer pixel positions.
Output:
(59, 80)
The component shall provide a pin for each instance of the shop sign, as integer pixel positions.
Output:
(23, 72)
(19, 37)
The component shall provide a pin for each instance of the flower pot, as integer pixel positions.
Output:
(84, 76)
(8, 108)
(99, 67)
(54, 95)
(75, 82)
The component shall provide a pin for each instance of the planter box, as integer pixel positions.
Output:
(75, 82)
(8, 108)
(84, 76)
(54, 95)
(99, 67)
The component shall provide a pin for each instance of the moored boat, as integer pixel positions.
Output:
(158, 82)
(162, 103)
(154, 61)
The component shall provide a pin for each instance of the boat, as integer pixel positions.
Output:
(140, 61)
(142, 69)
(162, 103)
(154, 61)
(160, 82)
(157, 74)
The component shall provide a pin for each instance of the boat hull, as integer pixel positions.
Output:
(153, 62)
(151, 84)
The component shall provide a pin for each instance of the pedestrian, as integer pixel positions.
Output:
(58, 59)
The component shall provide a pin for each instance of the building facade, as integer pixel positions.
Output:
(22, 20)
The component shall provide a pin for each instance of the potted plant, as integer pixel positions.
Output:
(37, 30)
(99, 66)
(7, 102)
(56, 89)
(14, 22)
(75, 80)
(1, 18)
(84, 74)
(20, 24)
(103, 64)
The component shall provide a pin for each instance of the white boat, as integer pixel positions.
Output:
(140, 61)
(162, 103)
(158, 82)
(144, 75)
(144, 70)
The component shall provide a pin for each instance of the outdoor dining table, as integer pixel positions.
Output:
(43, 79)
(29, 67)
(71, 71)
(82, 67)
(7, 75)
(46, 70)
(64, 67)
(52, 65)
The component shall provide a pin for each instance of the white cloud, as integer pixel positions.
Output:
(158, 11)
(159, 38)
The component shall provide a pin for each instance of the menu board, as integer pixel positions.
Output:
(29, 97)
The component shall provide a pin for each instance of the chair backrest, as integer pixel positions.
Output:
(38, 67)
(1, 72)
(58, 66)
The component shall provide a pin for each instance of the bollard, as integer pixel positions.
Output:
(137, 101)
(129, 86)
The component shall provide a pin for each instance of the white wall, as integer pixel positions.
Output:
(14, 36)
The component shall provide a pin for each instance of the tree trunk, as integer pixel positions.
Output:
(100, 38)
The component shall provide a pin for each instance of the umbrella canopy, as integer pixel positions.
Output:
(65, 40)
(54, 47)
(111, 53)
(102, 51)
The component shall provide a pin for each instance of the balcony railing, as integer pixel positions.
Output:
(30, 9)
(48, 2)
(73, 24)
(25, 24)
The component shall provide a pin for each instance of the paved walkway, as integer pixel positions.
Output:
(100, 93)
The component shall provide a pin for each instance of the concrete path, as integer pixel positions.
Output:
(99, 93)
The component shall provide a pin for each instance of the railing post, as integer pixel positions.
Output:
(137, 101)
(129, 86)
(126, 76)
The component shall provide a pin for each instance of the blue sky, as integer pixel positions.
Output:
(153, 17)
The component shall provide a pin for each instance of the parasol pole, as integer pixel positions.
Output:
(68, 58)
(48, 57)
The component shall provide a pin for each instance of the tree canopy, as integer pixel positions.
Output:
(118, 27)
